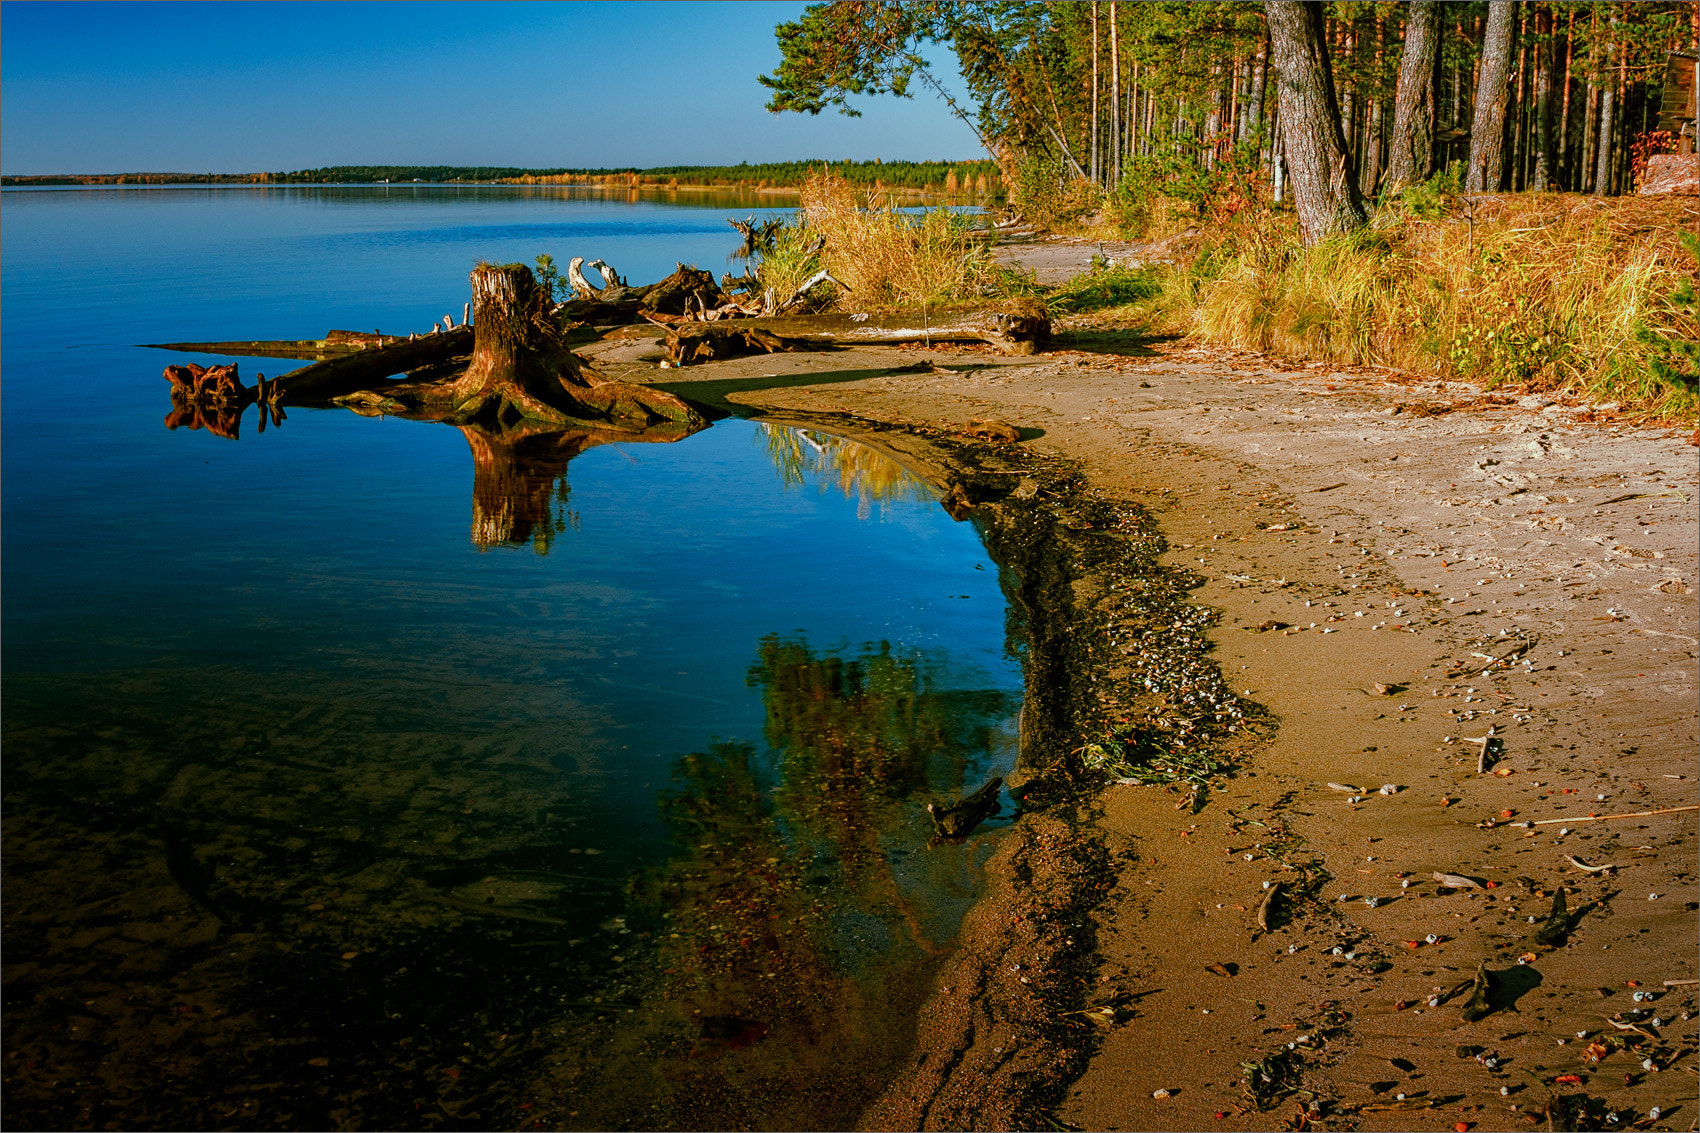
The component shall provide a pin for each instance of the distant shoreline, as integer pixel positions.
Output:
(971, 179)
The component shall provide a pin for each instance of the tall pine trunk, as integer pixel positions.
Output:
(1097, 168)
(1115, 102)
(1324, 190)
(1603, 148)
(1410, 150)
(1487, 128)
(1541, 179)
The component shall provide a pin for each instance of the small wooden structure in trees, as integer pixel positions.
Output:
(1676, 106)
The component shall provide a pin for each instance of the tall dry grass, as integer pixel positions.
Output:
(1551, 292)
(886, 258)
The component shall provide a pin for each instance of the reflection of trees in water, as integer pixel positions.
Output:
(798, 917)
(861, 473)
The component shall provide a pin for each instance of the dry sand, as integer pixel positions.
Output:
(1497, 563)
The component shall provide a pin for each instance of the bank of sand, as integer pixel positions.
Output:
(1497, 563)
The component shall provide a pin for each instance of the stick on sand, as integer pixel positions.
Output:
(1609, 817)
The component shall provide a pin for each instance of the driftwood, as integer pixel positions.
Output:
(959, 819)
(335, 344)
(690, 342)
(1011, 332)
(364, 369)
(686, 289)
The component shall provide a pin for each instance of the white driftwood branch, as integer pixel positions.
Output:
(610, 277)
(580, 285)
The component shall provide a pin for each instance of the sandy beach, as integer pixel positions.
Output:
(1396, 572)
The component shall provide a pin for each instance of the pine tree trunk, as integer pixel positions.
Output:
(1258, 74)
(1097, 173)
(1487, 129)
(1410, 150)
(1541, 180)
(1603, 148)
(1324, 190)
(1115, 103)
(1561, 171)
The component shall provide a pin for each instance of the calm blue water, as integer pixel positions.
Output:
(318, 813)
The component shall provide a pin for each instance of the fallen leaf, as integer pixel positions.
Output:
(452, 1071)
(1218, 969)
(1455, 881)
(1595, 1051)
(1569, 1079)
(318, 1062)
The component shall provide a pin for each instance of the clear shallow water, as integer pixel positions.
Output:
(322, 812)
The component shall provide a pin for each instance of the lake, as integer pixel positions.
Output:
(331, 801)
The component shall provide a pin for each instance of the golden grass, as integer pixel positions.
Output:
(891, 259)
(1556, 292)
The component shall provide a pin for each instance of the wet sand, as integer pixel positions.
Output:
(1396, 565)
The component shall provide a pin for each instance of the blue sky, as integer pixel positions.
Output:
(242, 87)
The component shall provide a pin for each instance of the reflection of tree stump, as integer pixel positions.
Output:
(519, 484)
(519, 477)
(522, 370)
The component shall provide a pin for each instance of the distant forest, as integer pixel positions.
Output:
(926, 176)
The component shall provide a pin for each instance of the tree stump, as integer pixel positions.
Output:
(521, 368)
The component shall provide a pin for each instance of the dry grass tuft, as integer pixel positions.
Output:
(1552, 292)
(891, 259)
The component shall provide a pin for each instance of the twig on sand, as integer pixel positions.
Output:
(1610, 817)
(1264, 906)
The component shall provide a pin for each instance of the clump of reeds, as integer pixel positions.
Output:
(1563, 293)
(885, 257)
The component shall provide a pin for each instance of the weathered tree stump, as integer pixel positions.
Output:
(521, 369)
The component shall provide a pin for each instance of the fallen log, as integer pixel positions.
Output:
(363, 369)
(1013, 332)
(689, 343)
(335, 344)
(684, 290)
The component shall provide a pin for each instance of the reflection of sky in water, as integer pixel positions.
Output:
(364, 733)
